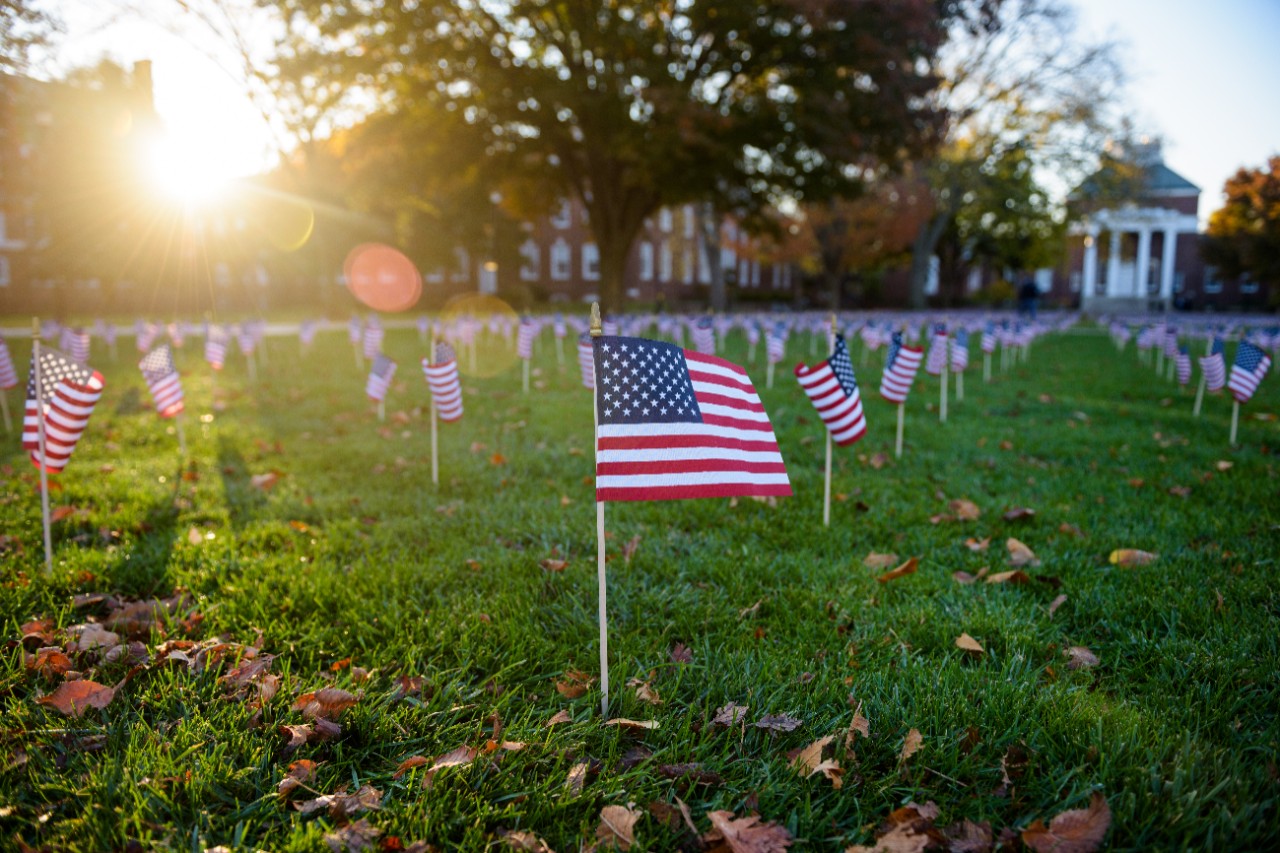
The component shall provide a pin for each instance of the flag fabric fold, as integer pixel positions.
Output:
(1250, 366)
(674, 424)
(162, 380)
(1213, 367)
(8, 375)
(833, 390)
(69, 391)
(524, 339)
(960, 351)
(937, 359)
(380, 376)
(442, 379)
(1183, 366)
(586, 360)
(900, 366)
(215, 348)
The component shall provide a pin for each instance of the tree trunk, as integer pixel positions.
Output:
(834, 281)
(926, 243)
(613, 267)
(710, 224)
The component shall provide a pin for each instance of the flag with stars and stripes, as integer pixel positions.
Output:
(380, 376)
(1213, 367)
(8, 376)
(162, 380)
(586, 360)
(68, 393)
(524, 339)
(373, 335)
(704, 336)
(215, 347)
(1250, 366)
(900, 366)
(833, 390)
(960, 351)
(1182, 364)
(989, 339)
(937, 359)
(776, 345)
(674, 424)
(442, 378)
(76, 343)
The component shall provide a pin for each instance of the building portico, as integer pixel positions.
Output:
(1132, 274)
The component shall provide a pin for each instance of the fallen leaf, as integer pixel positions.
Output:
(1074, 831)
(559, 717)
(911, 744)
(554, 565)
(354, 837)
(860, 724)
(577, 777)
(497, 459)
(746, 835)
(878, 461)
(729, 714)
(92, 636)
(902, 838)
(460, 757)
(676, 818)
(343, 805)
(61, 512)
(408, 764)
(965, 510)
(906, 568)
(73, 698)
(298, 774)
(1020, 555)
(963, 577)
(977, 544)
(1056, 603)
(968, 837)
(1180, 491)
(778, 723)
(48, 661)
(1131, 557)
(1223, 465)
(575, 684)
(1018, 513)
(327, 703)
(879, 561)
(644, 691)
(265, 481)
(617, 826)
(690, 771)
(1015, 576)
(680, 653)
(969, 644)
(807, 760)
(1079, 657)
(526, 841)
(633, 725)
(1070, 529)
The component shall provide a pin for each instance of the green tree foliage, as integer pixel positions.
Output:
(635, 105)
(1244, 234)
(23, 27)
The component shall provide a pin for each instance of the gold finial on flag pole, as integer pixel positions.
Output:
(597, 325)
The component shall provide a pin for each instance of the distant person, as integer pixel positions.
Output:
(1028, 296)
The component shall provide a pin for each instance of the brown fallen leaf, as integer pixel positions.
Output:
(1079, 657)
(617, 826)
(1223, 465)
(93, 636)
(976, 545)
(1180, 491)
(778, 723)
(48, 661)
(691, 771)
(497, 459)
(807, 760)
(675, 818)
(902, 838)
(879, 561)
(911, 744)
(1018, 513)
(680, 653)
(460, 757)
(969, 644)
(1071, 529)
(745, 835)
(298, 774)
(728, 715)
(354, 837)
(74, 698)
(964, 510)
(525, 841)
(963, 577)
(1015, 576)
(343, 805)
(1074, 831)
(577, 778)
(266, 481)
(408, 764)
(1020, 555)
(575, 684)
(968, 837)
(644, 691)
(559, 717)
(878, 461)
(1131, 557)
(326, 703)
(1056, 603)
(554, 565)
(906, 568)
(633, 725)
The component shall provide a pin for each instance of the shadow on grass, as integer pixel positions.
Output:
(144, 569)
(244, 501)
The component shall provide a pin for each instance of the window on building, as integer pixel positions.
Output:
(686, 265)
(461, 264)
(704, 264)
(755, 273)
(646, 261)
(744, 273)
(1076, 281)
(1179, 281)
(561, 260)
(664, 261)
(688, 222)
(563, 217)
(665, 220)
(1248, 285)
(1212, 284)
(531, 255)
(590, 262)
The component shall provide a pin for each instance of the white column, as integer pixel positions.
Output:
(1090, 284)
(1113, 264)
(1144, 261)
(1166, 265)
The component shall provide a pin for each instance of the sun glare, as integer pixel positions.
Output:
(186, 171)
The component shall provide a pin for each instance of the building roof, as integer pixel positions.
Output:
(1161, 179)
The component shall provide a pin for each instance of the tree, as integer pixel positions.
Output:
(23, 28)
(1244, 234)
(633, 105)
(1018, 79)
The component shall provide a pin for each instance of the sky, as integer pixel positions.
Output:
(1204, 76)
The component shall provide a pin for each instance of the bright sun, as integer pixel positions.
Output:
(190, 171)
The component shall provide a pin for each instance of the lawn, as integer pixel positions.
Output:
(449, 633)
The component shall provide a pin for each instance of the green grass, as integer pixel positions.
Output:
(1177, 727)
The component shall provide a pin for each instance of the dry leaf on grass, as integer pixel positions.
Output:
(575, 684)
(1056, 603)
(265, 481)
(633, 725)
(778, 723)
(729, 714)
(617, 826)
(691, 771)
(968, 837)
(644, 691)
(680, 653)
(911, 744)
(554, 565)
(526, 841)
(460, 757)
(343, 805)
(879, 561)
(408, 764)
(74, 698)
(906, 568)
(807, 760)
(354, 837)
(298, 774)
(964, 510)
(977, 545)
(745, 835)
(969, 644)
(577, 777)
(559, 717)
(1018, 513)
(1079, 657)
(1020, 555)
(327, 703)
(1131, 557)
(1074, 831)
(48, 661)
(1015, 576)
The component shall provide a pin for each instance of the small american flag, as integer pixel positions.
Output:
(247, 340)
(373, 335)
(176, 334)
(380, 376)
(704, 336)
(145, 335)
(1171, 342)
(1182, 364)
(76, 343)
(354, 334)
(162, 380)
(989, 339)
(586, 361)
(215, 347)
(609, 326)
(68, 393)
(8, 376)
(524, 340)
(442, 378)
(753, 333)
(833, 390)
(1213, 367)
(776, 345)
(937, 351)
(558, 326)
(1250, 366)
(676, 424)
(900, 368)
(307, 332)
(960, 351)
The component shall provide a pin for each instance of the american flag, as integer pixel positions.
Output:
(245, 338)
(1251, 365)
(609, 326)
(176, 334)
(8, 376)
(960, 351)
(353, 331)
(524, 340)
(1182, 362)
(68, 393)
(373, 335)
(380, 376)
(989, 339)
(558, 326)
(586, 361)
(833, 390)
(76, 343)
(704, 336)
(145, 335)
(215, 347)
(674, 423)
(900, 368)
(1213, 367)
(162, 380)
(753, 333)
(307, 332)
(1171, 342)
(777, 343)
(937, 351)
(442, 378)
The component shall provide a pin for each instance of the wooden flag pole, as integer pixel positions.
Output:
(41, 410)
(959, 386)
(1195, 412)
(897, 447)
(942, 392)
(986, 367)
(560, 352)
(768, 374)
(182, 438)
(525, 372)
(1235, 422)
(382, 410)
(4, 406)
(826, 483)
(597, 329)
(435, 457)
